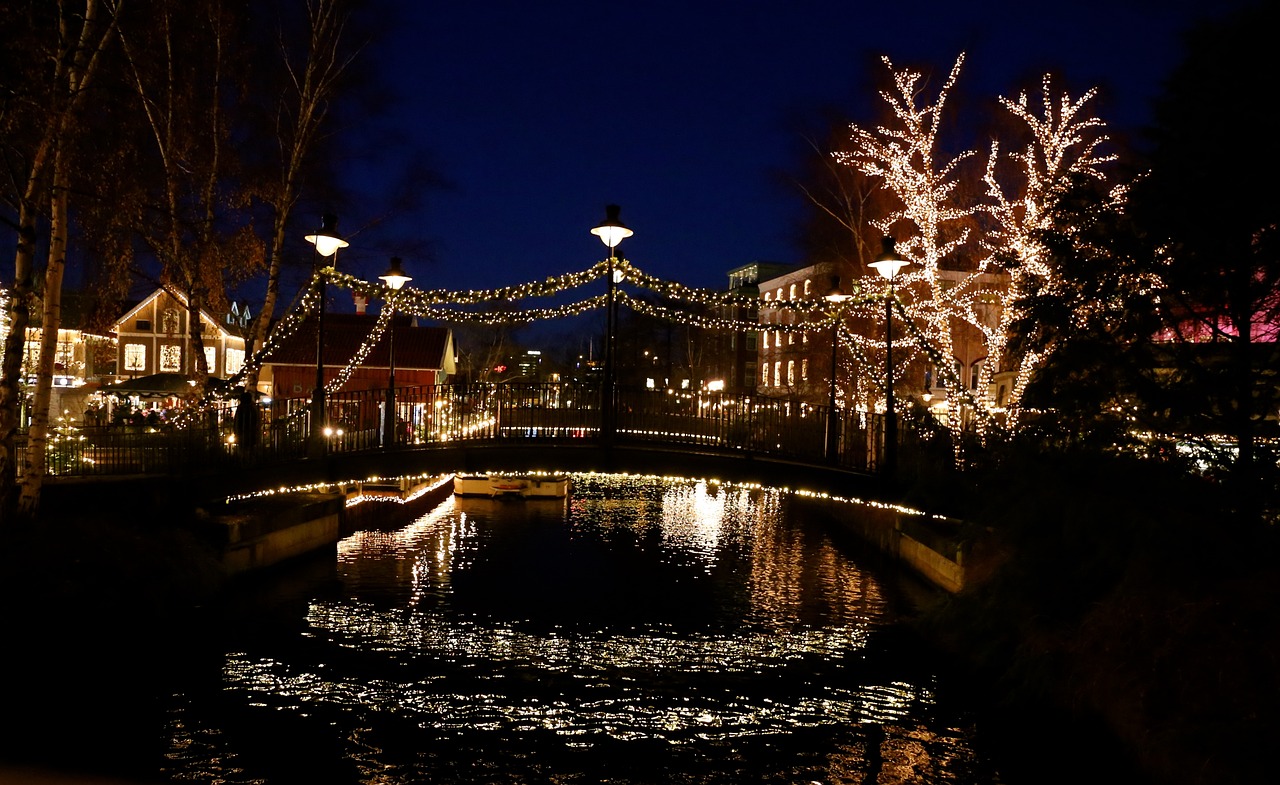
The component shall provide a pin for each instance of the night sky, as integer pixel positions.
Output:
(684, 113)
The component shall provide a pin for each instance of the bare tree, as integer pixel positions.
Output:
(300, 112)
(182, 65)
(70, 41)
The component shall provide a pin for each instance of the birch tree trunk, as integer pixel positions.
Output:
(34, 462)
(77, 59)
(297, 130)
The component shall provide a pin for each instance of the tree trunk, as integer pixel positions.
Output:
(11, 370)
(51, 320)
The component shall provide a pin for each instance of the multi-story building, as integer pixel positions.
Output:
(795, 364)
(154, 337)
(735, 356)
(82, 357)
(799, 365)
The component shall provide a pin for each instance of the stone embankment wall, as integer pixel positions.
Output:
(266, 532)
(928, 546)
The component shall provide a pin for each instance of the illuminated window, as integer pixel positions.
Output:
(791, 338)
(804, 370)
(777, 373)
(764, 337)
(779, 296)
(235, 361)
(170, 358)
(211, 359)
(764, 374)
(791, 373)
(64, 354)
(792, 293)
(135, 357)
(808, 287)
(169, 321)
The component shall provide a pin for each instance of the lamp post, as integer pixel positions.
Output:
(837, 297)
(394, 278)
(888, 263)
(611, 232)
(327, 242)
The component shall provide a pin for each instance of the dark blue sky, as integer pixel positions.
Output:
(539, 113)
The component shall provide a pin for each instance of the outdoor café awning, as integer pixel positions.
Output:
(158, 385)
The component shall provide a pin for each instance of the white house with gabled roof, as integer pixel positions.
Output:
(153, 337)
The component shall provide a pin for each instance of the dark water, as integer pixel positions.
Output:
(642, 631)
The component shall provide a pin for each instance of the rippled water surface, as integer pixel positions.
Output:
(641, 631)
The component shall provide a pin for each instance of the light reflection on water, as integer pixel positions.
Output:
(568, 638)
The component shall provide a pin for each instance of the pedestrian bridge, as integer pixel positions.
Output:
(564, 427)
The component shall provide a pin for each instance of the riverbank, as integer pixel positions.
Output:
(1123, 592)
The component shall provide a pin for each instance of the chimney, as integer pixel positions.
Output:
(362, 302)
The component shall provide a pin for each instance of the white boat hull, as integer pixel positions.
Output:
(511, 485)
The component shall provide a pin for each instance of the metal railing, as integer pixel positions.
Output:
(444, 415)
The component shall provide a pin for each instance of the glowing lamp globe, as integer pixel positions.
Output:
(326, 240)
(395, 277)
(612, 231)
(888, 263)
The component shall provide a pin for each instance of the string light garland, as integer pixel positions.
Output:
(686, 306)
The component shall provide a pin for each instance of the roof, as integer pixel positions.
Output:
(221, 326)
(161, 384)
(417, 348)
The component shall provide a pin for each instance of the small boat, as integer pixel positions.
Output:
(522, 486)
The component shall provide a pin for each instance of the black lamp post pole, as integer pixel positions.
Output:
(389, 434)
(611, 232)
(317, 439)
(833, 422)
(609, 411)
(394, 278)
(326, 242)
(890, 416)
(888, 263)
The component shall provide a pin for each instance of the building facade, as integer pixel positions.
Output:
(154, 337)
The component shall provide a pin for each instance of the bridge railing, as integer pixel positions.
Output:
(439, 415)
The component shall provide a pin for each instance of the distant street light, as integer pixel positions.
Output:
(611, 232)
(394, 278)
(837, 297)
(327, 242)
(888, 263)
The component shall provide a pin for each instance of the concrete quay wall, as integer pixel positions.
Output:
(928, 547)
(266, 532)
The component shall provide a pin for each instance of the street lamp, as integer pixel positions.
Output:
(611, 232)
(888, 263)
(837, 297)
(327, 242)
(394, 278)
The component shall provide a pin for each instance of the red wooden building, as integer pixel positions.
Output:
(423, 355)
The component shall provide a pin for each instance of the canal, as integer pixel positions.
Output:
(638, 631)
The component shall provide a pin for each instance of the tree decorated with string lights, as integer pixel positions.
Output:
(972, 235)
(929, 222)
(1026, 192)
